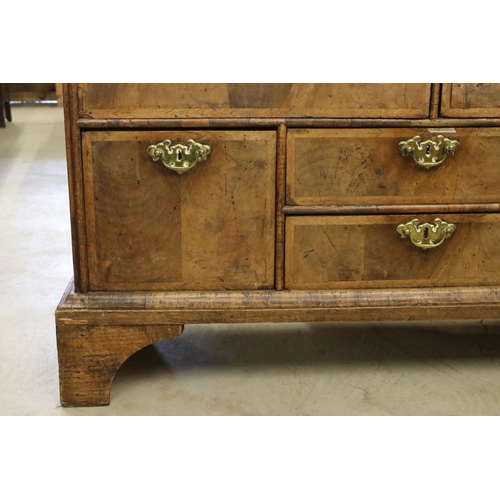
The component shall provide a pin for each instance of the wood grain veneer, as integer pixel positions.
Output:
(368, 252)
(198, 100)
(291, 218)
(149, 228)
(471, 100)
(365, 167)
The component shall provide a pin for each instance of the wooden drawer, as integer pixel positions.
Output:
(471, 100)
(149, 228)
(365, 167)
(197, 100)
(326, 252)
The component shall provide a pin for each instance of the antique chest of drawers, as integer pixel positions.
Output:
(213, 203)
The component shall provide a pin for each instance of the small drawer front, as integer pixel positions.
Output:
(369, 252)
(366, 167)
(471, 100)
(247, 100)
(149, 228)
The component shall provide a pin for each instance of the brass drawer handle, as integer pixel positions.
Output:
(429, 153)
(426, 235)
(179, 158)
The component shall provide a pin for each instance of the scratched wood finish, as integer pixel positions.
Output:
(252, 123)
(358, 167)
(389, 209)
(280, 203)
(75, 187)
(158, 250)
(159, 308)
(471, 100)
(367, 252)
(89, 357)
(149, 228)
(199, 100)
(435, 100)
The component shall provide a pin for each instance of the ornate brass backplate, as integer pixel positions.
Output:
(426, 235)
(179, 158)
(429, 153)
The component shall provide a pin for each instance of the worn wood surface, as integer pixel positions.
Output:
(472, 100)
(159, 249)
(280, 203)
(368, 252)
(390, 209)
(435, 100)
(157, 308)
(89, 357)
(255, 100)
(75, 186)
(251, 123)
(149, 228)
(364, 166)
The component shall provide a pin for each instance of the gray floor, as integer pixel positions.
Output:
(444, 368)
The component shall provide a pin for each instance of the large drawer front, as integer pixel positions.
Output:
(365, 167)
(149, 228)
(368, 252)
(197, 100)
(471, 100)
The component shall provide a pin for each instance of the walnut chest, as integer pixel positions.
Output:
(213, 203)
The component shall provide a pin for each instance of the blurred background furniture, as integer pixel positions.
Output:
(27, 93)
(5, 113)
(59, 94)
(32, 92)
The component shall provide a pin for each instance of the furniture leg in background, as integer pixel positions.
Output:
(2, 115)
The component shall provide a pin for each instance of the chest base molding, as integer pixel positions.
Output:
(389, 304)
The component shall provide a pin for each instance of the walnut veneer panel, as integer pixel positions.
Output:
(154, 250)
(367, 252)
(471, 100)
(197, 100)
(365, 167)
(149, 228)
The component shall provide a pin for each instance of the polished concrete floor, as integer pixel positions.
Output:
(447, 368)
